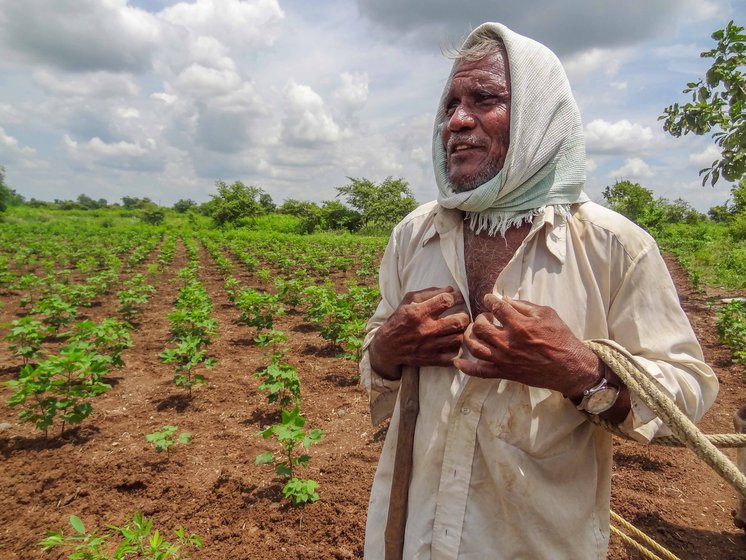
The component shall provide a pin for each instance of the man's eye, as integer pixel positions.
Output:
(451, 107)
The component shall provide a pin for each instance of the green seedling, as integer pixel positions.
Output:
(55, 311)
(111, 337)
(187, 355)
(61, 385)
(27, 335)
(292, 436)
(731, 325)
(135, 540)
(281, 382)
(258, 309)
(164, 439)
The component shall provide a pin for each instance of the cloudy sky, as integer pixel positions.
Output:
(161, 98)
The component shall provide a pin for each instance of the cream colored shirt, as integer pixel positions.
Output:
(507, 471)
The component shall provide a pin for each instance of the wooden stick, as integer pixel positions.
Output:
(409, 408)
(739, 515)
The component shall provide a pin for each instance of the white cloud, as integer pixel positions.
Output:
(202, 82)
(633, 168)
(705, 157)
(621, 137)
(352, 93)
(93, 85)
(595, 62)
(84, 35)
(11, 150)
(308, 122)
(590, 165)
(116, 155)
(251, 23)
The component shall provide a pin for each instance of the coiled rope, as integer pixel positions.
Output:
(685, 433)
(684, 430)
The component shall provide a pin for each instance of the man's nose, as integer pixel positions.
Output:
(461, 119)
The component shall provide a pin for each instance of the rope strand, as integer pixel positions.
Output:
(683, 429)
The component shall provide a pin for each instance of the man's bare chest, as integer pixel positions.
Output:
(485, 257)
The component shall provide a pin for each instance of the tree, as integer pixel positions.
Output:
(383, 204)
(134, 203)
(184, 205)
(234, 202)
(335, 215)
(87, 203)
(634, 201)
(718, 102)
(153, 215)
(308, 212)
(267, 203)
(5, 192)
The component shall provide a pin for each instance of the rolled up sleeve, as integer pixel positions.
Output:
(647, 322)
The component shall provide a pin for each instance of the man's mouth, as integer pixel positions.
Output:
(457, 146)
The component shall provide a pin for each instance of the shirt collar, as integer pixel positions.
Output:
(551, 221)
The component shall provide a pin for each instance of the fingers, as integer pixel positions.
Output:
(506, 309)
(434, 301)
(456, 323)
(477, 368)
(422, 295)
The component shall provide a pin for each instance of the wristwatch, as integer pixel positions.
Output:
(599, 398)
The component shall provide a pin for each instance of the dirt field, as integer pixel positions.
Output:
(105, 470)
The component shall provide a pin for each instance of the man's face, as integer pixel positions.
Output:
(476, 126)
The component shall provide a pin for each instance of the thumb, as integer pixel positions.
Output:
(504, 307)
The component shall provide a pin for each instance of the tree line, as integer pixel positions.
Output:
(717, 105)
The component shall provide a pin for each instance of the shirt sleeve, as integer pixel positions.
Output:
(382, 392)
(647, 321)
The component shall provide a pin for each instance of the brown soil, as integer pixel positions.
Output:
(104, 470)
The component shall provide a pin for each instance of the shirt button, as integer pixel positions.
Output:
(465, 410)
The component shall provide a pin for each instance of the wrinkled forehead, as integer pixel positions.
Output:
(494, 65)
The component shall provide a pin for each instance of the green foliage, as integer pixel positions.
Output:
(737, 227)
(55, 311)
(271, 337)
(281, 382)
(153, 215)
(26, 334)
(133, 297)
(61, 385)
(718, 102)
(5, 191)
(289, 291)
(383, 204)
(235, 202)
(633, 201)
(188, 354)
(134, 203)
(164, 439)
(731, 325)
(258, 309)
(184, 205)
(309, 213)
(336, 216)
(293, 438)
(300, 491)
(341, 317)
(110, 338)
(136, 539)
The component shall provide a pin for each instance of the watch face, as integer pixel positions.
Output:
(602, 400)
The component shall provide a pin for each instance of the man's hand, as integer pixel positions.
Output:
(533, 346)
(418, 333)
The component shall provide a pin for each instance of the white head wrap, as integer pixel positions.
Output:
(545, 162)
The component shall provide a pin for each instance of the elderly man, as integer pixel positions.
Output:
(491, 292)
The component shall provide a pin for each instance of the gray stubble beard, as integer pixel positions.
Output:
(471, 182)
